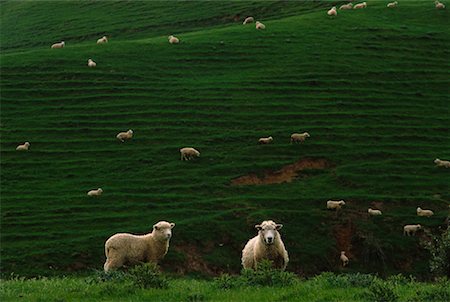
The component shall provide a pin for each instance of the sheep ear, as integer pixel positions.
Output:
(279, 226)
(172, 225)
(155, 227)
(258, 227)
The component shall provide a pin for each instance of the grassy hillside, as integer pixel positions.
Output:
(370, 86)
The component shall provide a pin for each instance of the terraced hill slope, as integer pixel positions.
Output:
(370, 86)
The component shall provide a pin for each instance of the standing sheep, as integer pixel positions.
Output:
(128, 249)
(392, 4)
(173, 40)
(299, 137)
(91, 63)
(374, 212)
(335, 205)
(424, 213)
(189, 153)
(267, 245)
(442, 163)
(23, 147)
(411, 229)
(332, 11)
(360, 5)
(123, 136)
(344, 259)
(59, 45)
(248, 20)
(265, 140)
(346, 6)
(97, 192)
(259, 25)
(102, 40)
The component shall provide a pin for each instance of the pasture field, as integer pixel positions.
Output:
(370, 86)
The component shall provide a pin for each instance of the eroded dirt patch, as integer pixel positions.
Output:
(285, 174)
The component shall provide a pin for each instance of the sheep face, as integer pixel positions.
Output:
(437, 160)
(268, 231)
(341, 202)
(27, 144)
(306, 134)
(163, 230)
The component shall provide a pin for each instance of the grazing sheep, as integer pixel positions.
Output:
(411, 229)
(392, 4)
(335, 205)
(442, 163)
(332, 11)
(123, 136)
(189, 153)
(344, 259)
(173, 40)
(259, 25)
(248, 20)
(439, 5)
(360, 5)
(424, 213)
(97, 192)
(128, 249)
(374, 212)
(265, 140)
(102, 40)
(346, 6)
(267, 245)
(299, 137)
(91, 63)
(23, 147)
(59, 45)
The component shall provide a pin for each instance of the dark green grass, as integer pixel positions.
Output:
(371, 87)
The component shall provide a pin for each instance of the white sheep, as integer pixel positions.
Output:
(23, 147)
(346, 6)
(189, 153)
(248, 20)
(360, 5)
(59, 45)
(102, 40)
(411, 229)
(374, 212)
(267, 245)
(265, 140)
(332, 11)
(442, 163)
(91, 63)
(344, 259)
(424, 213)
(128, 249)
(392, 4)
(259, 25)
(173, 40)
(123, 136)
(335, 205)
(97, 192)
(439, 5)
(299, 137)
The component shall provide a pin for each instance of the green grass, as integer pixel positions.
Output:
(370, 86)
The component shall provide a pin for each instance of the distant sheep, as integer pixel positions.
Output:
(173, 40)
(392, 4)
(439, 5)
(344, 259)
(123, 136)
(267, 245)
(332, 11)
(128, 249)
(23, 147)
(248, 20)
(91, 63)
(265, 140)
(424, 213)
(299, 137)
(259, 25)
(189, 153)
(374, 212)
(59, 45)
(102, 40)
(411, 229)
(346, 6)
(335, 205)
(360, 5)
(442, 163)
(97, 192)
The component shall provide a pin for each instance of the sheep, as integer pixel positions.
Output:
(332, 11)
(346, 6)
(23, 147)
(128, 249)
(374, 212)
(411, 229)
(392, 4)
(123, 136)
(344, 259)
(97, 192)
(189, 153)
(267, 245)
(424, 213)
(248, 20)
(335, 205)
(265, 140)
(360, 5)
(59, 45)
(259, 25)
(102, 40)
(173, 40)
(299, 137)
(442, 163)
(91, 63)
(439, 5)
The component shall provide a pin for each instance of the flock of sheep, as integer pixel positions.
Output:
(123, 248)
